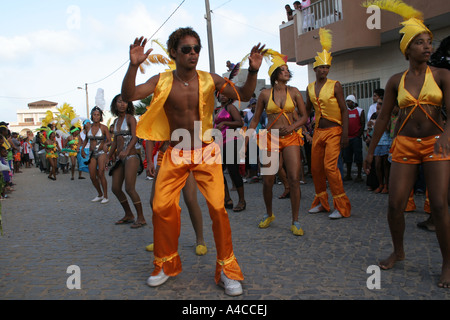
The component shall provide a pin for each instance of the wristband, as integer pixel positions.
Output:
(252, 71)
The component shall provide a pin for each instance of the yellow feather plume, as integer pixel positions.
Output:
(395, 6)
(48, 118)
(326, 39)
(158, 59)
(272, 57)
(162, 46)
(413, 19)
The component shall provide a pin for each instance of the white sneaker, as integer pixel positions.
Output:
(316, 209)
(335, 215)
(232, 287)
(154, 281)
(97, 199)
(105, 200)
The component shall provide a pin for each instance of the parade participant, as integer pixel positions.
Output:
(99, 140)
(423, 138)
(52, 149)
(73, 143)
(440, 59)
(330, 135)
(281, 103)
(128, 161)
(228, 117)
(189, 195)
(82, 166)
(183, 103)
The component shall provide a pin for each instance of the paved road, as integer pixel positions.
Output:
(49, 226)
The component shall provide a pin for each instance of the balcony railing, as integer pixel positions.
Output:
(318, 15)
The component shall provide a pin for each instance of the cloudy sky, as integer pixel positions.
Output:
(50, 48)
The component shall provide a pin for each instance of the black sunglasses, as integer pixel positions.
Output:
(188, 49)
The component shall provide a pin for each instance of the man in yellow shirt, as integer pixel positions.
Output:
(330, 135)
(183, 103)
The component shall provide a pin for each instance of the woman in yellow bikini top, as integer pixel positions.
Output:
(430, 96)
(422, 138)
(281, 115)
(274, 111)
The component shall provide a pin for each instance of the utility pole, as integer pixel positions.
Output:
(87, 98)
(210, 38)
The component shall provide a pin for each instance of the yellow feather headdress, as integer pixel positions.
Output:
(158, 59)
(273, 57)
(413, 19)
(278, 60)
(324, 58)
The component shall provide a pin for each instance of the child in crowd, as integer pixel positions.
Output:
(5, 178)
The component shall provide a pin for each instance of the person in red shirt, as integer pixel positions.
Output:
(356, 124)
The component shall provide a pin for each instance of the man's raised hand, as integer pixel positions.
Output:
(137, 53)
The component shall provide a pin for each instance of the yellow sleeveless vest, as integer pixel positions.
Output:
(326, 105)
(154, 124)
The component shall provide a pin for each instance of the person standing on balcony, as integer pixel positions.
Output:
(289, 12)
(308, 16)
(423, 137)
(330, 135)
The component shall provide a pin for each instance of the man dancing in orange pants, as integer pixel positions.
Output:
(182, 106)
(330, 135)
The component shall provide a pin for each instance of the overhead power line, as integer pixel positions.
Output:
(106, 77)
(179, 6)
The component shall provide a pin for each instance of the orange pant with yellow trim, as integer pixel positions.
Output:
(411, 206)
(324, 159)
(206, 166)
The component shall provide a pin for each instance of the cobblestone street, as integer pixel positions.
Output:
(49, 226)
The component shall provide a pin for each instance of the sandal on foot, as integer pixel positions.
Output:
(229, 204)
(379, 189)
(138, 225)
(427, 225)
(285, 195)
(124, 221)
(240, 207)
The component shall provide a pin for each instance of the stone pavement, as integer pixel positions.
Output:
(51, 225)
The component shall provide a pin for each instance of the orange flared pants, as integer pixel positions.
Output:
(206, 166)
(324, 159)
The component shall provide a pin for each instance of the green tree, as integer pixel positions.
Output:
(141, 106)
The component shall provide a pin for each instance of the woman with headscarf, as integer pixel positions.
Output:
(422, 138)
(282, 104)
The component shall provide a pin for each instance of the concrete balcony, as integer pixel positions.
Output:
(348, 22)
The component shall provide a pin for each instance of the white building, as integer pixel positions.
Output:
(31, 118)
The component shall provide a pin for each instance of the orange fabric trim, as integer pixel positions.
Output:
(229, 82)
